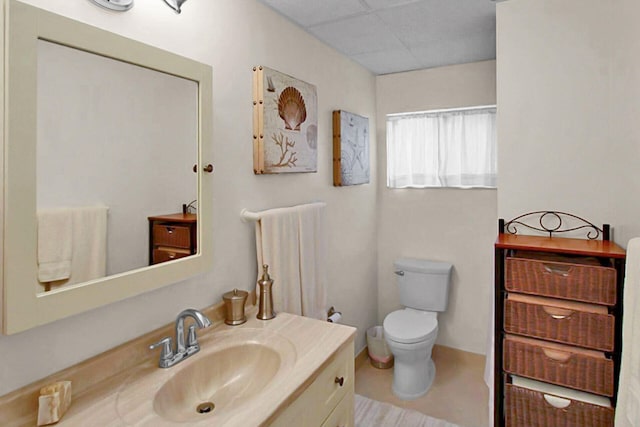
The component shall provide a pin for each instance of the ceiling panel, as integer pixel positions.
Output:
(388, 36)
(311, 12)
(388, 61)
(381, 4)
(360, 34)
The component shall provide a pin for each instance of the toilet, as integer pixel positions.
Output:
(411, 332)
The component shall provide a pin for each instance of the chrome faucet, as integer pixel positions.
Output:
(168, 357)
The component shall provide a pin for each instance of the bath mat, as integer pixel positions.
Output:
(371, 413)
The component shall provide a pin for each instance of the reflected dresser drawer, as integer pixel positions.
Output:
(172, 237)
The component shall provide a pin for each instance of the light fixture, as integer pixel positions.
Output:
(118, 5)
(175, 4)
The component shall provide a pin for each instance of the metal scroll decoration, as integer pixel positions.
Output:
(554, 222)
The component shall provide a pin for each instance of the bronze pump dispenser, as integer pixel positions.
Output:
(265, 308)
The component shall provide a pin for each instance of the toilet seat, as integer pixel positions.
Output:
(410, 326)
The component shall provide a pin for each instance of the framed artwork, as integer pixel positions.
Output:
(350, 149)
(285, 123)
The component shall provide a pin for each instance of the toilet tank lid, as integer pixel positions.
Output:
(423, 266)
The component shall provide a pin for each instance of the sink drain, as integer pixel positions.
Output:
(205, 408)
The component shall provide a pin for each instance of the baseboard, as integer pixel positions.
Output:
(362, 357)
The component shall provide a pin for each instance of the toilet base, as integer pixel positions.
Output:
(409, 384)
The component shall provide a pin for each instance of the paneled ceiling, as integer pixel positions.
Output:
(390, 36)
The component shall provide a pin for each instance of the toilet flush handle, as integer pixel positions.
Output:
(399, 273)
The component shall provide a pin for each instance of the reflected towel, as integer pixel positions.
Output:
(628, 407)
(292, 241)
(89, 259)
(54, 244)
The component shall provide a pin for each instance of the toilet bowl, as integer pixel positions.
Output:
(423, 287)
(411, 335)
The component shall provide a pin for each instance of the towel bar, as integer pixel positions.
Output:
(247, 216)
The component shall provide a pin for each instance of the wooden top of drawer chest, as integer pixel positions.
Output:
(598, 248)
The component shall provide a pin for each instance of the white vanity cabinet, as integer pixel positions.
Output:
(328, 399)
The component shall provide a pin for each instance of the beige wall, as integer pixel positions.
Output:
(453, 225)
(232, 36)
(569, 99)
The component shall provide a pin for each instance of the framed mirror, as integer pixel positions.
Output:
(102, 136)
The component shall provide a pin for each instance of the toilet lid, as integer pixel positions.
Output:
(410, 326)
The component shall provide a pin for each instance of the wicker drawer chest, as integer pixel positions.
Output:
(558, 326)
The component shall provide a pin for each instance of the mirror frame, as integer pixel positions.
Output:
(22, 306)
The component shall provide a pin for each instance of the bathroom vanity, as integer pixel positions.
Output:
(290, 370)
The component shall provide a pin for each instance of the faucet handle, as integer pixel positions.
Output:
(192, 339)
(166, 352)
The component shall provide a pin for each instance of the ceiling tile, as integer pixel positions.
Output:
(399, 35)
(387, 62)
(421, 24)
(458, 50)
(383, 4)
(307, 13)
(360, 34)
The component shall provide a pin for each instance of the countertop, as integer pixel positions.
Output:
(315, 343)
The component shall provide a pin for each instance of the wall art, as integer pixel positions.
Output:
(350, 149)
(285, 123)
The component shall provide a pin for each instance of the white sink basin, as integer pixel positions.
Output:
(232, 369)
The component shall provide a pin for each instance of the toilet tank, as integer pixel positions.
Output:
(423, 284)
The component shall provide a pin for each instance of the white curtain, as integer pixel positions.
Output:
(452, 148)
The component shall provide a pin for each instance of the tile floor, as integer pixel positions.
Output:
(458, 394)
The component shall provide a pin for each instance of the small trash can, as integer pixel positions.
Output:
(379, 353)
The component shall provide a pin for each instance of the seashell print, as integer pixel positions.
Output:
(312, 136)
(291, 108)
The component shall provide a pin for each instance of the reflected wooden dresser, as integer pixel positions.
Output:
(172, 236)
(558, 326)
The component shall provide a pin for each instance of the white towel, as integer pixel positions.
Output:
(292, 241)
(89, 259)
(54, 244)
(628, 407)
(89, 253)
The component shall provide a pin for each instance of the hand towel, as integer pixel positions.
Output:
(313, 256)
(292, 241)
(277, 245)
(54, 244)
(628, 407)
(89, 243)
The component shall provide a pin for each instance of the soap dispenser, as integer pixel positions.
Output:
(265, 308)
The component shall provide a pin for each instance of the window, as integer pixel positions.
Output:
(445, 148)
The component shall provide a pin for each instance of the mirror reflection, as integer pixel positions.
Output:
(115, 152)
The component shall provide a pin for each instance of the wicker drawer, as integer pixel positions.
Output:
(171, 235)
(585, 370)
(531, 408)
(580, 324)
(588, 283)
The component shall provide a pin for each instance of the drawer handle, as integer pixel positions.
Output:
(557, 313)
(170, 230)
(340, 381)
(557, 355)
(172, 255)
(557, 269)
(557, 402)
